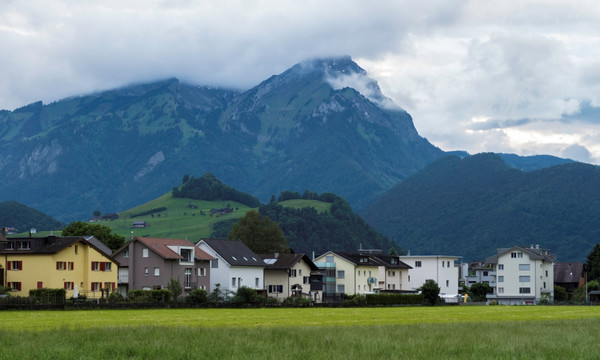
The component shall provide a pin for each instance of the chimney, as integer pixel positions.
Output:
(408, 253)
(531, 246)
(3, 231)
(276, 254)
(537, 246)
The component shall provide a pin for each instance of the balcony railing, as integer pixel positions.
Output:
(325, 265)
(372, 280)
(123, 279)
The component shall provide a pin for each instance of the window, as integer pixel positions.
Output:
(417, 264)
(500, 266)
(234, 258)
(524, 290)
(299, 272)
(546, 273)
(358, 273)
(144, 252)
(107, 266)
(15, 265)
(524, 279)
(126, 253)
(40, 284)
(275, 289)
(71, 265)
(76, 250)
(443, 264)
(186, 254)
(187, 280)
(394, 261)
(95, 266)
(232, 282)
(306, 280)
(394, 273)
(500, 290)
(256, 282)
(544, 284)
(447, 283)
(485, 273)
(500, 278)
(69, 285)
(516, 255)
(341, 288)
(329, 258)
(448, 264)
(156, 271)
(146, 271)
(14, 286)
(96, 286)
(359, 287)
(524, 267)
(214, 263)
(10, 246)
(61, 265)
(201, 272)
(24, 245)
(341, 274)
(292, 272)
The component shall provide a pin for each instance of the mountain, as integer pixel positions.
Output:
(472, 206)
(23, 218)
(308, 127)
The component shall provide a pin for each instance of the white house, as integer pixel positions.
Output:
(523, 275)
(291, 275)
(235, 265)
(440, 268)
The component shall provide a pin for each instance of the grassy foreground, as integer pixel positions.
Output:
(500, 332)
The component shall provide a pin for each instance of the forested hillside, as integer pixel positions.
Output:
(472, 206)
(24, 218)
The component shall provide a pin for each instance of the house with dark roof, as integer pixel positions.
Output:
(569, 275)
(360, 272)
(81, 265)
(292, 275)
(234, 265)
(150, 263)
(524, 275)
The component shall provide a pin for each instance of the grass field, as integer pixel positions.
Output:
(465, 332)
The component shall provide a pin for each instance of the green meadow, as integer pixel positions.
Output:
(452, 332)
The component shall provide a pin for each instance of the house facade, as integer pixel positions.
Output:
(569, 275)
(523, 275)
(290, 275)
(150, 263)
(81, 265)
(234, 265)
(479, 272)
(439, 268)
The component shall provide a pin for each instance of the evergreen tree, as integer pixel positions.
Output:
(593, 264)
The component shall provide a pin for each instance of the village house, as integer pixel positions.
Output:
(291, 275)
(524, 275)
(150, 263)
(82, 265)
(440, 268)
(569, 275)
(234, 265)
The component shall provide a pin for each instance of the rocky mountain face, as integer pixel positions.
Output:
(322, 125)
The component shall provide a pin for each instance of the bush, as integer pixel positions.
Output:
(145, 296)
(297, 302)
(197, 296)
(394, 299)
(431, 292)
(355, 300)
(114, 297)
(48, 296)
(247, 295)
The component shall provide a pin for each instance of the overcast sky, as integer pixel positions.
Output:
(503, 76)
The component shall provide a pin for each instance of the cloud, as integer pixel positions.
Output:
(577, 152)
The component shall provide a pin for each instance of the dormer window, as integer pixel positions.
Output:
(24, 245)
(10, 246)
(186, 254)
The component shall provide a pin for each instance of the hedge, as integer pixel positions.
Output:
(162, 295)
(48, 296)
(394, 299)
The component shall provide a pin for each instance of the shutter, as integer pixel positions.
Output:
(58, 265)
(65, 285)
(9, 284)
(19, 286)
(40, 285)
(71, 266)
(10, 265)
(113, 286)
(20, 265)
(92, 266)
(102, 266)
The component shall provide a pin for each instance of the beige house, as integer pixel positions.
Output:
(289, 275)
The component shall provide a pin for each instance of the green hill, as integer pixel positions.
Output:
(23, 218)
(475, 205)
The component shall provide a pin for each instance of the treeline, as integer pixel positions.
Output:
(209, 188)
(307, 195)
(151, 211)
(23, 218)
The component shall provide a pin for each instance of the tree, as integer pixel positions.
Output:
(100, 232)
(560, 294)
(175, 287)
(393, 251)
(593, 264)
(259, 233)
(97, 213)
(431, 292)
(479, 291)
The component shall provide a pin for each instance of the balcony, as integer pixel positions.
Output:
(325, 265)
(123, 279)
(372, 280)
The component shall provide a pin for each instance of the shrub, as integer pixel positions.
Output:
(297, 302)
(394, 299)
(197, 296)
(48, 296)
(114, 297)
(142, 296)
(431, 292)
(247, 295)
(355, 300)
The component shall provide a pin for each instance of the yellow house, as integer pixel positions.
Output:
(79, 264)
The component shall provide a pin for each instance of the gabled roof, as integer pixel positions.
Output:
(387, 261)
(234, 252)
(286, 261)
(358, 258)
(54, 244)
(533, 253)
(161, 247)
(568, 272)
